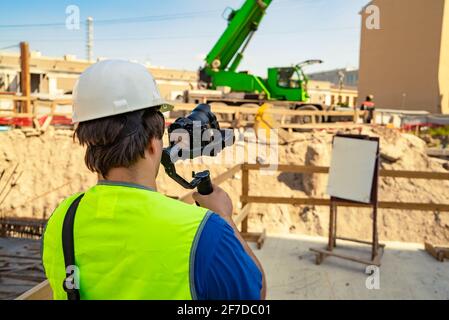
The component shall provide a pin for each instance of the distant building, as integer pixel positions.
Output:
(53, 77)
(326, 93)
(349, 77)
(405, 63)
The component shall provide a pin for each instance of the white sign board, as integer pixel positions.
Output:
(352, 169)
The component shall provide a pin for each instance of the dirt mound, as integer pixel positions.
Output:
(398, 152)
(53, 167)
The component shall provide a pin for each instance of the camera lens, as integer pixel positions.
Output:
(203, 114)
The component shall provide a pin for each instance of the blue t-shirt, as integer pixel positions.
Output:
(223, 270)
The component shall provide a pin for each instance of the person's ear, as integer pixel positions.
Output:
(154, 146)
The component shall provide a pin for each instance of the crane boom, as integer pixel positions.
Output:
(220, 69)
(242, 24)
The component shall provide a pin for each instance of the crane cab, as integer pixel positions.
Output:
(287, 83)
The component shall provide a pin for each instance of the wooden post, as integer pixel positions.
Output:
(245, 191)
(375, 202)
(332, 227)
(25, 78)
(237, 119)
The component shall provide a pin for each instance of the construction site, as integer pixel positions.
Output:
(286, 184)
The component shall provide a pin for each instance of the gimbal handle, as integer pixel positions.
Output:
(205, 185)
(201, 180)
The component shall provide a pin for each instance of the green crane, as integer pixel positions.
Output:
(220, 70)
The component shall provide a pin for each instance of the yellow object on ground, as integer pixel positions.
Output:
(265, 120)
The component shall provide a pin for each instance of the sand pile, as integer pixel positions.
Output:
(53, 167)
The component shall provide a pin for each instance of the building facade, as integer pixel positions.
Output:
(54, 77)
(347, 77)
(326, 93)
(405, 63)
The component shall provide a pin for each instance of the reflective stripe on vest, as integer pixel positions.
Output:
(130, 243)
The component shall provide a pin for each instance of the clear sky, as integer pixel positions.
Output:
(179, 33)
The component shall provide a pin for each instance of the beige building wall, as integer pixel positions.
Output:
(444, 62)
(405, 63)
(326, 93)
(58, 75)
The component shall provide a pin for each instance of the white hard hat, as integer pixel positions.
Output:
(113, 87)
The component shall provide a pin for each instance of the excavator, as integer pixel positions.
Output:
(219, 80)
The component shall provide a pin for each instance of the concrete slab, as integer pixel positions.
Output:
(20, 266)
(407, 271)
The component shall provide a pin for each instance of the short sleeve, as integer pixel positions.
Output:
(223, 269)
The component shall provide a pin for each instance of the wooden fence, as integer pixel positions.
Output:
(236, 116)
(241, 217)
(43, 290)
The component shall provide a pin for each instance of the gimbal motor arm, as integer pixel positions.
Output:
(201, 180)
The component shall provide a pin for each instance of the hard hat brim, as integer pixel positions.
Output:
(165, 107)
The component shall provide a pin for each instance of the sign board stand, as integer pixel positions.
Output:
(377, 248)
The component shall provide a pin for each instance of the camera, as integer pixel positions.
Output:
(195, 135)
(198, 134)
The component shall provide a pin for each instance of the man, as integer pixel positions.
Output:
(129, 241)
(368, 105)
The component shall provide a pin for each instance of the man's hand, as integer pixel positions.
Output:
(218, 201)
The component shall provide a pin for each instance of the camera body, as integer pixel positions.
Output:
(196, 135)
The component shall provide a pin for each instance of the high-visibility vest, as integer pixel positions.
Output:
(130, 243)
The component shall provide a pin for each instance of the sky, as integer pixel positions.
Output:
(179, 33)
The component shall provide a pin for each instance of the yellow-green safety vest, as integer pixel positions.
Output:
(130, 243)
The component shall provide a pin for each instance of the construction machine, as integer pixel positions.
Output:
(219, 80)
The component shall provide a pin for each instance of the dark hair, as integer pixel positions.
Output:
(120, 140)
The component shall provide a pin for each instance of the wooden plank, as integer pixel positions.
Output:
(283, 200)
(16, 115)
(347, 257)
(46, 123)
(245, 192)
(243, 214)
(282, 111)
(415, 174)
(227, 175)
(383, 173)
(358, 241)
(251, 236)
(322, 126)
(217, 180)
(433, 252)
(290, 168)
(327, 202)
(40, 292)
(261, 239)
(36, 124)
(14, 97)
(414, 206)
